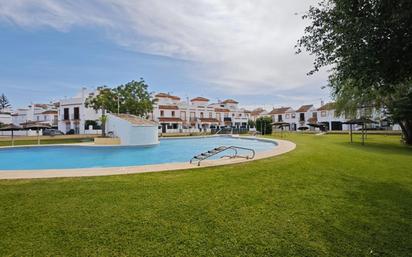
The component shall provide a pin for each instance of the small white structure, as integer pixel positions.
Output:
(5, 117)
(133, 130)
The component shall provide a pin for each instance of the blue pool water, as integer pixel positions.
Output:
(168, 151)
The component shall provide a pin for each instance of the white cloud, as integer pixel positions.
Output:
(246, 46)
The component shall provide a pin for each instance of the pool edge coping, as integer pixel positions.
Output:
(283, 146)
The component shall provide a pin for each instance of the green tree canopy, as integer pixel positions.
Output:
(134, 98)
(264, 125)
(367, 45)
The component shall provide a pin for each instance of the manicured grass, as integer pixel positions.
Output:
(46, 141)
(326, 198)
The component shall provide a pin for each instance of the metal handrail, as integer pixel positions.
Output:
(215, 151)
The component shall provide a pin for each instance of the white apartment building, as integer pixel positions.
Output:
(5, 117)
(73, 114)
(42, 113)
(196, 115)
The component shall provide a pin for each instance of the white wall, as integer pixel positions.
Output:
(5, 118)
(131, 134)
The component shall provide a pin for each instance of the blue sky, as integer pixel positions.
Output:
(217, 49)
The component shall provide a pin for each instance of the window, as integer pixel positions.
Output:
(76, 113)
(315, 115)
(210, 115)
(66, 113)
(323, 113)
(280, 117)
(301, 117)
(201, 115)
(287, 116)
(293, 115)
(162, 113)
(173, 113)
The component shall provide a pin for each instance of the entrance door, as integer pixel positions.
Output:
(164, 128)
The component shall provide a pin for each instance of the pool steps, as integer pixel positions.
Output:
(205, 155)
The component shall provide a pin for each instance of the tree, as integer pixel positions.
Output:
(264, 125)
(251, 123)
(134, 98)
(131, 98)
(367, 44)
(103, 100)
(4, 102)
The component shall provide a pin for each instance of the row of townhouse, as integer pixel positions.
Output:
(198, 114)
(41, 113)
(325, 117)
(174, 115)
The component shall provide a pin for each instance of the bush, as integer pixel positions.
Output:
(264, 125)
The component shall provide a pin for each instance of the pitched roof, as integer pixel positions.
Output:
(230, 101)
(164, 95)
(328, 106)
(200, 99)
(135, 120)
(280, 110)
(43, 106)
(170, 119)
(168, 107)
(304, 108)
(258, 111)
(49, 112)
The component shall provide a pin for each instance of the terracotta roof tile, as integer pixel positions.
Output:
(281, 110)
(230, 101)
(135, 120)
(258, 111)
(50, 112)
(200, 99)
(304, 108)
(164, 95)
(328, 106)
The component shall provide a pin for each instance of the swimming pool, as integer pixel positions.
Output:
(72, 157)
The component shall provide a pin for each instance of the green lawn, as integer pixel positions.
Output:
(326, 198)
(46, 141)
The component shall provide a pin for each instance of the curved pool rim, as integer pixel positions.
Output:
(283, 146)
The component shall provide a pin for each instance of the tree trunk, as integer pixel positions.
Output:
(103, 120)
(407, 131)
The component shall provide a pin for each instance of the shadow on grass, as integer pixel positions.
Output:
(379, 147)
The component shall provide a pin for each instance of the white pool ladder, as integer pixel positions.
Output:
(217, 150)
